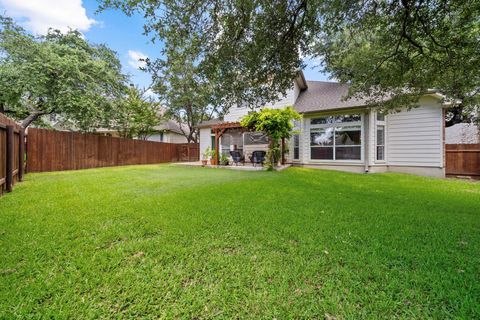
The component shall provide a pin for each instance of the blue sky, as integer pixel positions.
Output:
(121, 33)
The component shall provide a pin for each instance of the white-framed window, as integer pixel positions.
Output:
(296, 147)
(380, 137)
(336, 137)
(252, 138)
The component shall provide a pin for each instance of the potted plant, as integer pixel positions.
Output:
(213, 158)
(205, 156)
(223, 159)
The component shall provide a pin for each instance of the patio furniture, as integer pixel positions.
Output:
(237, 157)
(258, 157)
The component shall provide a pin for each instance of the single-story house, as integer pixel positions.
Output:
(345, 134)
(167, 131)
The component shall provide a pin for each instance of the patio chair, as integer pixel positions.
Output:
(237, 157)
(258, 157)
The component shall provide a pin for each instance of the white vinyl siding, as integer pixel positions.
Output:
(205, 140)
(173, 137)
(235, 113)
(287, 100)
(170, 137)
(157, 137)
(414, 137)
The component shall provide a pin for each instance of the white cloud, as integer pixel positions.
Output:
(135, 58)
(39, 15)
(149, 94)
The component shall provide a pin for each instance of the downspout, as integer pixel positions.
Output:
(366, 138)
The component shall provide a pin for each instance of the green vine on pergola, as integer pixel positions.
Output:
(277, 124)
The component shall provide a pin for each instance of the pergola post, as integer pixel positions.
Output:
(283, 151)
(218, 134)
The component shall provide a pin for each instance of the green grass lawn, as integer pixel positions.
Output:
(166, 241)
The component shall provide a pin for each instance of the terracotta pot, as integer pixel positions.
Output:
(204, 162)
(213, 162)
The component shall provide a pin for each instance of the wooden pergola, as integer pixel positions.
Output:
(220, 128)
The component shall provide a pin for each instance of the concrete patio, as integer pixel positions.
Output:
(246, 167)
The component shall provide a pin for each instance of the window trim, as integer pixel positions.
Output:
(384, 124)
(359, 123)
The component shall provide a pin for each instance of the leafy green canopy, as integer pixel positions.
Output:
(59, 74)
(248, 50)
(183, 89)
(251, 49)
(133, 115)
(276, 123)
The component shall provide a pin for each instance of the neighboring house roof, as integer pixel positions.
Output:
(462, 133)
(323, 95)
(209, 123)
(170, 125)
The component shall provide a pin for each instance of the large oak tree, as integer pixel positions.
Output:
(251, 49)
(61, 74)
(183, 89)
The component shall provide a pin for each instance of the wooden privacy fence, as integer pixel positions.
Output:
(12, 153)
(463, 160)
(49, 150)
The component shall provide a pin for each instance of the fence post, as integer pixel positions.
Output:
(21, 153)
(9, 154)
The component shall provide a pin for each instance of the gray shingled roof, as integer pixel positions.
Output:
(209, 123)
(170, 125)
(322, 96)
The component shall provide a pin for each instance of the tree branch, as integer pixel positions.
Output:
(32, 117)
